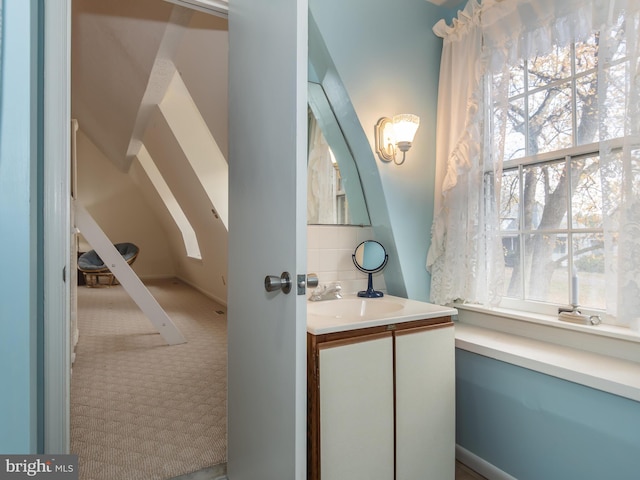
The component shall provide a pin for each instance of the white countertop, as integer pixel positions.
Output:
(352, 312)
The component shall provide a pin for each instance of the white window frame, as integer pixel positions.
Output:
(591, 149)
(549, 308)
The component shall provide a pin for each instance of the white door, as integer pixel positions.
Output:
(267, 236)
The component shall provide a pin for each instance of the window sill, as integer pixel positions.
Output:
(604, 330)
(607, 360)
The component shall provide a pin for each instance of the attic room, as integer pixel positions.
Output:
(535, 362)
(139, 72)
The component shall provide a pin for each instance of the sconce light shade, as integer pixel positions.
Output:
(396, 133)
(405, 127)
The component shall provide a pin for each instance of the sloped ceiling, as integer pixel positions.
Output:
(123, 57)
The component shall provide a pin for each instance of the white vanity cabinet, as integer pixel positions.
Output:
(425, 403)
(381, 402)
(356, 406)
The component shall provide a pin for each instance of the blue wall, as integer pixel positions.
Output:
(388, 58)
(536, 427)
(19, 299)
(530, 425)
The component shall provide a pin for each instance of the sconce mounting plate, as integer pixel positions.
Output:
(385, 139)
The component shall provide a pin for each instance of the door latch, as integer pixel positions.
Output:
(304, 281)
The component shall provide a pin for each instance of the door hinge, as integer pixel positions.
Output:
(64, 274)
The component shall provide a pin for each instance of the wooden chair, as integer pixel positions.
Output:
(93, 268)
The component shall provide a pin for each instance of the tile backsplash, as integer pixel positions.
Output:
(329, 250)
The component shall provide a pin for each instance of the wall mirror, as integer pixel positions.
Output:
(370, 257)
(334, 190)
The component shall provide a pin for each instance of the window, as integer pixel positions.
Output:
(537, 199)
(551, 206)
(551, 230)
(171, 203)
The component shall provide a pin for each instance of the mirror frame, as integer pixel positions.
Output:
(369, 292)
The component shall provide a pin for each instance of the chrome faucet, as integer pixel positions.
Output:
(330, 291)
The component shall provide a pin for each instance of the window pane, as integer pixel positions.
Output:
(586, 202)
(614, 105)
(587, 54)
(634, 167)
(543, 70)
(510, 200)
(588, 254)
(545, 196)
(516, 80)
(512, 270)
(587, 109)
(611, 173)
(616, 38)
(550, 124)
(514, 140)
(546, 277)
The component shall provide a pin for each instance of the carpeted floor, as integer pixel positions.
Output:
(141, 409)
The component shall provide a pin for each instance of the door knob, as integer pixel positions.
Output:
(273, 283)
(304, 281)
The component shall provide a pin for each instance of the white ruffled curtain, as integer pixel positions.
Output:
(466, 258)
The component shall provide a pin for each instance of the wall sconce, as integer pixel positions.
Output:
(395, 134)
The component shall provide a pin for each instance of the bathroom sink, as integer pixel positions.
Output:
(353, 307)
(353, 312)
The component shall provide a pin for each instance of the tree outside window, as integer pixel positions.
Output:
(551, 204)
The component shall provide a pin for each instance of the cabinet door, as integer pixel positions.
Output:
(356, 409)
(425, 404)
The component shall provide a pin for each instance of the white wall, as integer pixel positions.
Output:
(118, 206)
(209, 274)
(329, 250)
(128, 208)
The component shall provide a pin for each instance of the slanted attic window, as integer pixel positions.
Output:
(171, 203)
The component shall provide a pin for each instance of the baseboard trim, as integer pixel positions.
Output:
(480, 465)
(184, 280)
(222, 302)
(159, 276)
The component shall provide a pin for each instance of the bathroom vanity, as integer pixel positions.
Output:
(380, 384)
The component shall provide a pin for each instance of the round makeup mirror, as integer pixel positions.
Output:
(370, 257)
